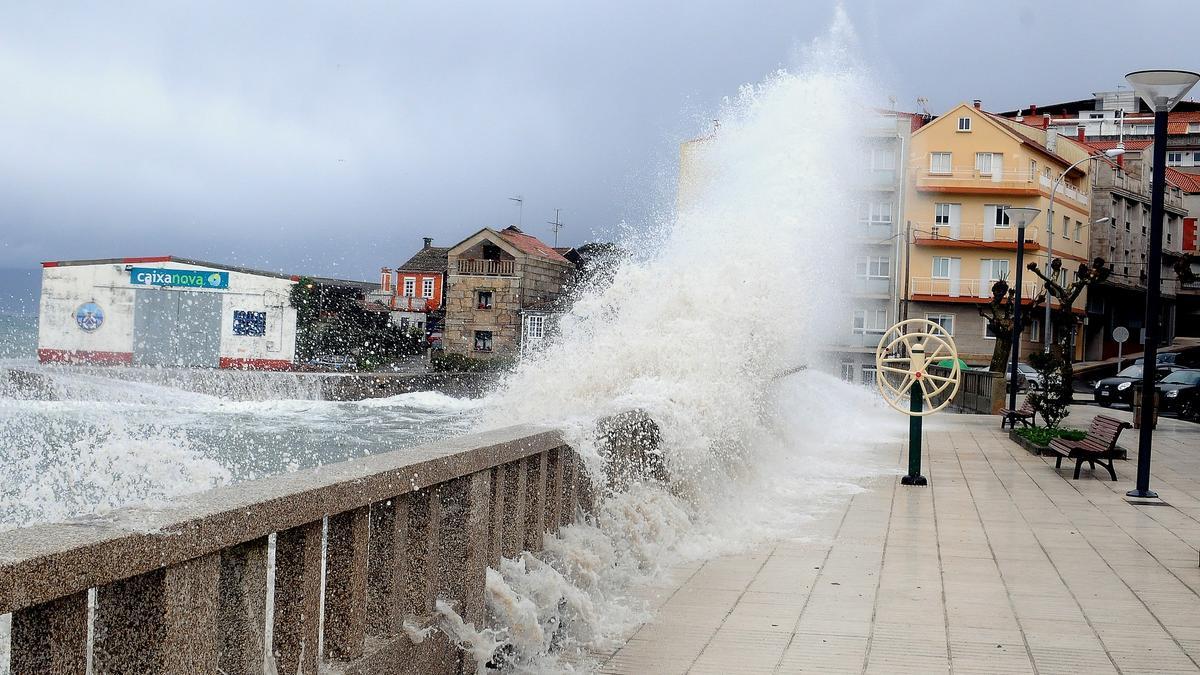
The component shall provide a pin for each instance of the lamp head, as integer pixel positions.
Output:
(1162, 89)
(1115, 152)
(1021, 216)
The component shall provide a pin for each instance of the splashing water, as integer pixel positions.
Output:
(746, 284)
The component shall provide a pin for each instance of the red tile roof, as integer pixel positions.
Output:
(1130, 144)
(531, 245)
(1177, 122)
(1188, 182)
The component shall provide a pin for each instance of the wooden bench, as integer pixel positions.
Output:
(1099, 445)
(1025, 415)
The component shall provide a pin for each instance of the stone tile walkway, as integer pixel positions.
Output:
(1001, 565)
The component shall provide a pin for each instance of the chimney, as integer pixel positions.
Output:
(1032, 109)
(1121, 160)
(428, 242)
(1081, 133)
(978, 103)
(1045, 121)
(385, 279)
(1052, 140)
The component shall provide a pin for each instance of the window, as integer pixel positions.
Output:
(883, 159)
(1078, 231)
(410, 286)
(483, 300)
(939, 162)
(250, 324)
(848, 371)
(483, 340)
(1174, 158)
(1035, 330)
(427, 287)
(405, 322)
(941, 268)
(873, 267)
(1193, 128)
(946, 214)
(1095, 116)
(535, 326)
(944, 320)
(1066, 228)
(964, 124)
(1141, 129)
(870, 320)
(988, 162)
(997, 268)
(988, 333)
(999, 216)
(1195, 158)
(875, 213)
(1032, 169)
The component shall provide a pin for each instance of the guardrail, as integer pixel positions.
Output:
(974, 232)
(966, 288)
(979, 392)
(358, 547)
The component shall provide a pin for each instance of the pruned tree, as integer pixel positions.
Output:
(999, 314)
(1064, 321)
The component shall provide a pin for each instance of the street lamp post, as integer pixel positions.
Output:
(1022, 217)
(1161, 90)
(1047, 330)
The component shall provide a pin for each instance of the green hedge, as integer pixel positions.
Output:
(1041, 436)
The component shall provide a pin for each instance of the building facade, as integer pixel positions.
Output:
(501, 287)
(965, 168)
(165, 311)
(418, 294)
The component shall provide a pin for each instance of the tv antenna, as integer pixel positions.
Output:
(923, 104)
(520, 209)
(557, 225)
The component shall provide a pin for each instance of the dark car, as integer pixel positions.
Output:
(1180, 393)
(1119, 389)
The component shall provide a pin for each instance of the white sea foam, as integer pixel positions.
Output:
(745, 283)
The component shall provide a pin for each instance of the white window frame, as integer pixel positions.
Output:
(1078, 231)
(964, 124)
(949, 266)
(427, 288)
(995, 263)
(1174, 158)
(535, 326)
(1035, 330)
(985, 331)
(1193, 127)
(888, 162)
(410, 287)
(984, 167)
(941, 319)
(933, 163)
(875, 213)
(873, 267)
(869, 374)
(877, 327)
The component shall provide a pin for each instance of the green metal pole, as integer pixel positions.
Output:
(914, 476)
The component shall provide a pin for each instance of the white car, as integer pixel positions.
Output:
(1033, 379)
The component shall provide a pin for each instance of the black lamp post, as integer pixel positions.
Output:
(1021, 216)
(1161, 90)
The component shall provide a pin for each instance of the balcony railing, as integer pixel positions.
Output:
(999, 181)
(985, 232)
(491, 268)
(965, 288)
(411, 303)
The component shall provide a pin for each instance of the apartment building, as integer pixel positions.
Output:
(875, 290)
(965, 168)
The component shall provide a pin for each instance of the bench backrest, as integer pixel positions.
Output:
(1027, 407)
(1104, 431)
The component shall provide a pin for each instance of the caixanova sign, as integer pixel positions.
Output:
(157, 276)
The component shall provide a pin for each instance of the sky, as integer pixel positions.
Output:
(329, 138)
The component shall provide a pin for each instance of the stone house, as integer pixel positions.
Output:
(500, 285)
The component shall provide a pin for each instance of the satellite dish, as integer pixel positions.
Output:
(902, 358)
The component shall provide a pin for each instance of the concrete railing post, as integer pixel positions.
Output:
(462, 550)
(554, 490)
(535, 504)
(495, 535)
(243, 618)
(515, 487)
(346, 584)
(297, 599)
(163, 621)
(51, 638)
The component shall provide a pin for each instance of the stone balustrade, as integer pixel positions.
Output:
(358, 548)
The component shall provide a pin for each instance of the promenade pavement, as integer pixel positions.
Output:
(1001, 565)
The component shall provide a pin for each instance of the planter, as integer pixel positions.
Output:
(1029, 445)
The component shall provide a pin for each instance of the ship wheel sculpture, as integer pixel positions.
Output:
(902, 360)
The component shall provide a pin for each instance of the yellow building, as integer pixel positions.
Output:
(965, 167)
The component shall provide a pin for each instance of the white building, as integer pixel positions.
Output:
(166, 311)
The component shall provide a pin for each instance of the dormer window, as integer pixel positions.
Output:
(964, 124)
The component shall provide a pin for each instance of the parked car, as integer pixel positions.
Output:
(1033, 379)
(1021, 379)
(1119, 388)
(332, 362)
(1180, 393)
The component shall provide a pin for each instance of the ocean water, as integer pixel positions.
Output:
(735, 287)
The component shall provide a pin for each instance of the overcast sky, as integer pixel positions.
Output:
(312, 137)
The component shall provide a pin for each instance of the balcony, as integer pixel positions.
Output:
(964, 288)
(1022, 184)
(411, 303)
(487, 268)
(930, 234)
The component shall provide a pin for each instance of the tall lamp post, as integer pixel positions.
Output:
(1047, 330)
(1161, 90)
(1022, 216)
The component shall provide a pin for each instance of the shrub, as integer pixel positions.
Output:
(1053, 400)
(1041, 436)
